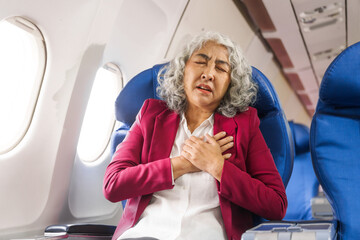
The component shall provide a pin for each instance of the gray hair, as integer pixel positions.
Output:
(240, 94)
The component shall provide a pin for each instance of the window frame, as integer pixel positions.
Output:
(33, 29)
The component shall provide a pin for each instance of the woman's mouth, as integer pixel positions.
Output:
(204, 88)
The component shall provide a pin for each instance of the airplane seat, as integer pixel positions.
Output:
(303, 185)
(335, 140)
(273, 123)
(335, 154)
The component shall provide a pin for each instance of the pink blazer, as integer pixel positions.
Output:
(250, 182)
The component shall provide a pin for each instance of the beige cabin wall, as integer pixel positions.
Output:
(218, 18)
(293, 108)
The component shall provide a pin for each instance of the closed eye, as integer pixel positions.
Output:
(221, 69)
(198, 62)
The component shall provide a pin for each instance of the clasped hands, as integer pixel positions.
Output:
(199, 155)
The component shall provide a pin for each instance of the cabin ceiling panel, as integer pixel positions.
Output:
(302, 80)
(353, 26)
(196, 20)
(255, 49)
(320, 67)
(307, 36)
(323, 26)
(281, 13)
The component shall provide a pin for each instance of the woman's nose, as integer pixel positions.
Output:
(207, 75)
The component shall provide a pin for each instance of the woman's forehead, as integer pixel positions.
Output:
(213, 48)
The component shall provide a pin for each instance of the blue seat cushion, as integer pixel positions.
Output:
(302, 187)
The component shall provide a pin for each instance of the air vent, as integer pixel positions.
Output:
(322, 16)
(328, 53)
(330, 8)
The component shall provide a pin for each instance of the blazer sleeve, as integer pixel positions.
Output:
(260, 189)
(130, 176)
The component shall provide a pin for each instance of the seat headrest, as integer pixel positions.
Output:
(343, 73)
(136, 91)
(274, 125)
(301, 135)
(266, 99)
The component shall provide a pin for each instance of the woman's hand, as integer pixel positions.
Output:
(207, 156)
(181, 166)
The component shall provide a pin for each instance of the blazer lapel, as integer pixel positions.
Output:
(165, 128)
(222, 123)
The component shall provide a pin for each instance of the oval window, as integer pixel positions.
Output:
(22, 61)
(99, 119)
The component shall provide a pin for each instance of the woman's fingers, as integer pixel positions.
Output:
(226, 146)
(195, 148)
(219, 135)
(186, 155)
(193, 141)
(210, 139)
(225, 141)
(222, 139)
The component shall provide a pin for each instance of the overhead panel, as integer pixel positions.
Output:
(305, 36)
(323, 26)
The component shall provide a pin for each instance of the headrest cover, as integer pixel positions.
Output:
(343, 73)
(301, 135)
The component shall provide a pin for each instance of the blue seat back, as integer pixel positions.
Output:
(274, 125)
(335, 140)
(131, 98)
(303, 184)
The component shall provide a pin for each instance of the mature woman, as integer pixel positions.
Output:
(195, 165)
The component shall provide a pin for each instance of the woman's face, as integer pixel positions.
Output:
(207, 76)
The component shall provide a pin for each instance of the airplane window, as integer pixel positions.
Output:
(22, 64)
(99, 120)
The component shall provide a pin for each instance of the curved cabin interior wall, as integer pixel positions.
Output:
(81, 36)
(35, 175)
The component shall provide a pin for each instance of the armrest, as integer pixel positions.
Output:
(79, 230)
(291, 230)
